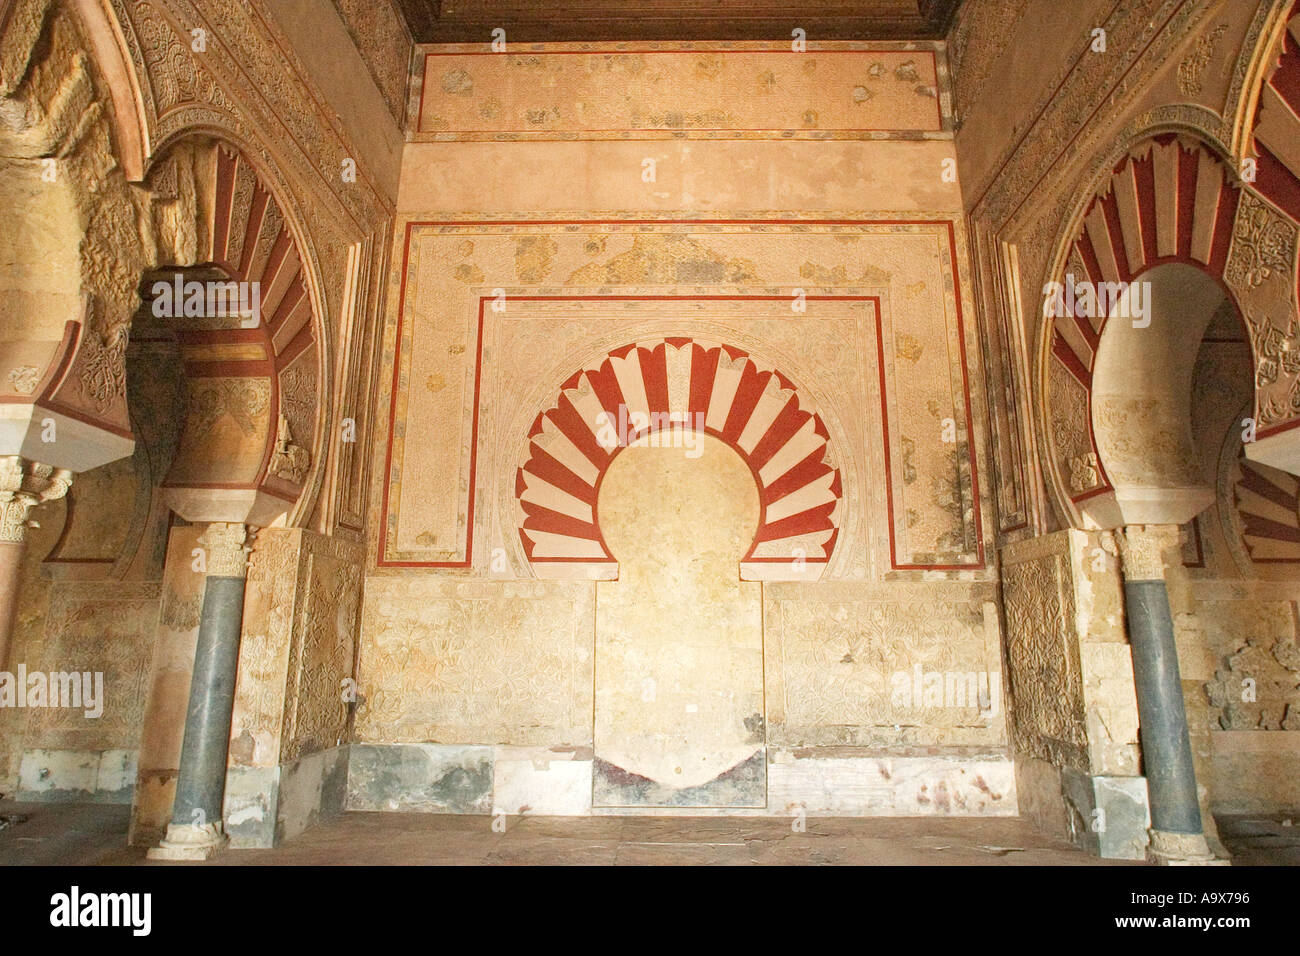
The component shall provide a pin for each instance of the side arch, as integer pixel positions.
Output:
(216, 216)
(1169, 198)
(668, 387)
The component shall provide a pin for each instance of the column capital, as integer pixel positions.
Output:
(227, 552)
(24, 484)
(1142, 548)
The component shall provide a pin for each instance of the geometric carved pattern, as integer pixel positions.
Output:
(323, 651)
(662, 386)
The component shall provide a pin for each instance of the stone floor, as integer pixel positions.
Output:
(86, 834)
(1261, 841)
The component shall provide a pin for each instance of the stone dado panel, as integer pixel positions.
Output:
(540, 781)
(901, 666)
(90, 628)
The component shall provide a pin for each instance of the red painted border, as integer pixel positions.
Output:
(950, 224)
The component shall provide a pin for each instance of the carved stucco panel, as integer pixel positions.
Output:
(324, 647)
(459, 662)
(1261, 274)
(1042, 652)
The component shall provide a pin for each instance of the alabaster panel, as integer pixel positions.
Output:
(489, 321)
(77, 776)
(903, 665)
(549, 91)
(447, 661)
(891, 786)
(541, 781)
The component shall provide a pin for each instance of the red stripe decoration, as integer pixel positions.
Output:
(1144, 175)
(250, 252)
(1115, 229)
(1177, 193)
(1268, 508)
(1286, 78)
(1225, 216)
(572, 444)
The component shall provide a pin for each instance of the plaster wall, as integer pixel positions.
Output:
(615, 214)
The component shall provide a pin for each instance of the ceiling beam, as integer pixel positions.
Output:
(472, 21)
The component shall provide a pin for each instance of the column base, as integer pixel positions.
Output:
(187, 841)
(1181, 849)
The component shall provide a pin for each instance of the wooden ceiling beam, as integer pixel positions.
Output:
(458, 21)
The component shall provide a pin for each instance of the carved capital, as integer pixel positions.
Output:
(1143, 547)
(25, 484)
(227, 552)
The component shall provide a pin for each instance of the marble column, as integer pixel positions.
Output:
(195, 831)
(23, 485)
(1176, 832)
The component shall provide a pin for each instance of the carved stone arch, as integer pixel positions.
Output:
(1060, 405)
(253, 232)
(74, 247)
(666, 387)
(1259, 511)
(1256, 64)
(1166, 196)
(109, 49)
